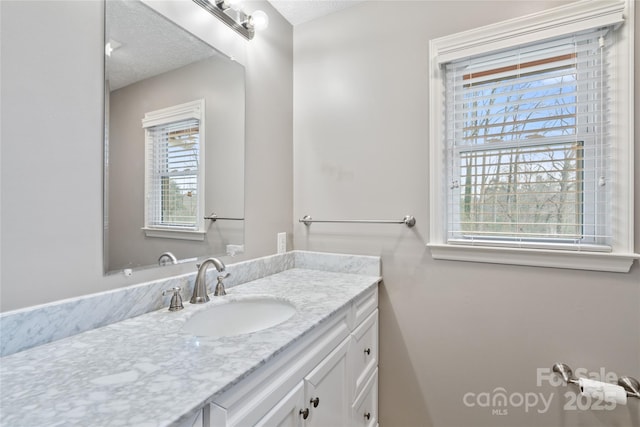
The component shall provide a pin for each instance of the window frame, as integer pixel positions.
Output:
(165, 116)
(551, 23)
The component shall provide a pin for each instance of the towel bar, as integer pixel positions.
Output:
(408, 220)
(214, 217)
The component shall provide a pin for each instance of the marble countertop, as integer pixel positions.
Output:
(145, 371)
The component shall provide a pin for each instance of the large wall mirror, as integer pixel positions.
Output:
(174, 143)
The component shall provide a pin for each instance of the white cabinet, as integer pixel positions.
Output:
(327, 390)
(288, 412)
(327, 379)
(320, 400)
(364, 411)
(364, 352)
(199, 418)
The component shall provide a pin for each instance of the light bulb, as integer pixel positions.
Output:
(259, 20)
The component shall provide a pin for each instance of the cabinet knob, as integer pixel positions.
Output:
(305, 413)
(367, 415)
(367, 351)
(315, 402)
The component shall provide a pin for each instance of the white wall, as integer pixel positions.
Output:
(446, 328)
(51, 152)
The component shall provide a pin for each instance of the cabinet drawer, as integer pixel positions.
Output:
(364, 352)
(363, 307)
(364, 412)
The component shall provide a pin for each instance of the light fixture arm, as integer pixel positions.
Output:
(218, 10)
(243, 23)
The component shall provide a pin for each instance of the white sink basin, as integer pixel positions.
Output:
(239, 317)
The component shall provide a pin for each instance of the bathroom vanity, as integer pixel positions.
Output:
(317, 368)
(328, 378)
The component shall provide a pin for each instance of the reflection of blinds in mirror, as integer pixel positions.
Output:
(173, 190)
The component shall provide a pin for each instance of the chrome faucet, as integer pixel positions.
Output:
(200, 287)
(167, 258)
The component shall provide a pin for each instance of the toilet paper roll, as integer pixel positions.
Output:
(604, 391)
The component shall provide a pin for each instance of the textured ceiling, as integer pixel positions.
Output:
(300, 11)
(146, 37)
(151, 45)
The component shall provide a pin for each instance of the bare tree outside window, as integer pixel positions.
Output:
(518, 177)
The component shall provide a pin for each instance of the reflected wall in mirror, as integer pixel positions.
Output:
(152, 65)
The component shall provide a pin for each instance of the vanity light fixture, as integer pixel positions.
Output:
(226, 4)
(258, 20)
(230, 12)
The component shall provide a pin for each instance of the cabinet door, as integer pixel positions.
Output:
(326, 390)
(365, 407)
(288, 412)
(363, 353)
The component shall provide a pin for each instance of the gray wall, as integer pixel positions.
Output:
(51, 152)
(446, 328)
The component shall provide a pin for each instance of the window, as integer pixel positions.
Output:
(526, 145)
(174, 172)
(527, 133)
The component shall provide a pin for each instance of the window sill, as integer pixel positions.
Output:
(596, 261)
(174, 234)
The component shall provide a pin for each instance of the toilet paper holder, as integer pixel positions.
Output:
(630, 385)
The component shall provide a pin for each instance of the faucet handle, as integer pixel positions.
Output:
(220, 291)
(176, 299)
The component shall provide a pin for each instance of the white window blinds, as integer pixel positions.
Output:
(527, 146)
(173, 189)
(174, 171)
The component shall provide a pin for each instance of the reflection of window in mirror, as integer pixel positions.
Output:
(174, 172)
